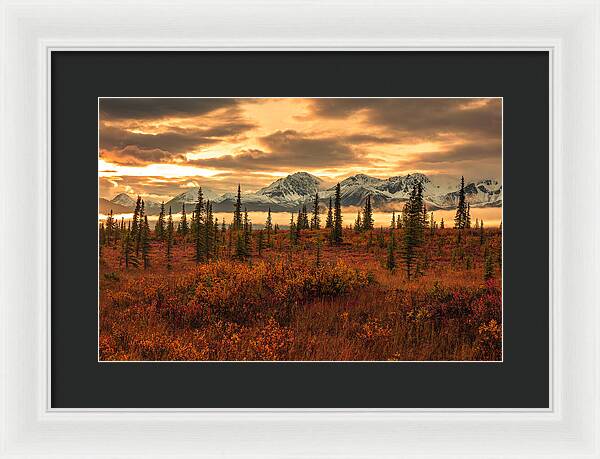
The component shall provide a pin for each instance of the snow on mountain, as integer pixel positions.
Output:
(190, 197)
(288, 193)
(126, 201)
(483, 193)
(439, 192)
(294, 188)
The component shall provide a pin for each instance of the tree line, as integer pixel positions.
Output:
(211, 239)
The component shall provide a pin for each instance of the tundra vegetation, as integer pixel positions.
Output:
(326, 288)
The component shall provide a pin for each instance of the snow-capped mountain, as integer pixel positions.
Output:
(190, 197)
(484, 193)
(439, 192)
(290, 192)
(293, 188)
(126, 201)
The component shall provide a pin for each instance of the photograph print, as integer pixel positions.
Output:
(300, 229)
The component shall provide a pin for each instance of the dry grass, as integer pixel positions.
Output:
(281, 306)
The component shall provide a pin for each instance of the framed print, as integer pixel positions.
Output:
(277, 270)
(329, 231)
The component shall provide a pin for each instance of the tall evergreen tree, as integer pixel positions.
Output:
(110, 228)
(432, 224)
(442, 223)
(367, 221)
(169, 237)
(101, 235)
(358, 224)
(135, 223)
(468, 216)
(138, 233)
(247, 231)
(393, 222)
(128, 249)
(292, 230)
(145, 241)
(329, 221)
(481, 235)
(315, 221)
(209, 228)
(237, 212)
(305, 222)
(269, 226)
(299, 224)
(337, 237)
(460, 220)
(159, 228)
(199, 228)
(413, 229)
(183, 227)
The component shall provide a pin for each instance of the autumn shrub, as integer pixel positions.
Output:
(240, 293)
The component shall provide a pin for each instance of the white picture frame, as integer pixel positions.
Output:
(568, 29)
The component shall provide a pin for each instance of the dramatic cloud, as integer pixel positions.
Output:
(160, 146)
(153, 108)
(421, 117)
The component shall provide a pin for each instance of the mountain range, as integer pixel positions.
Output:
(290, 192)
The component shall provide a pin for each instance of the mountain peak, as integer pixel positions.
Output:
(293, 187)
(123, 199)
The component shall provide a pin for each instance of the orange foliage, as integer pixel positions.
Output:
(281, 306)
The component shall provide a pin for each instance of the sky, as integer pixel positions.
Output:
(158, 147)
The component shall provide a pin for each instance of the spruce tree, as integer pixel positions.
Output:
(292, 230)
(199, 224)
(305, 222)
(315, 221)
(413, 229)
(468, 217)
(424, 218)
(237, 212)
(169, 237)
(247, 232)
(183, 227)
(135, 223)
(481, 235)
(101, 235)
(432, 224)
(128, 249)
(110, 228)
(299, 225)
(367, 221)
(337, 237)
(358, 224)
(159, 229)
(460, 220)
(442, 223)
(145, 238)
(208, 233)
(329, 220)
(138, 233)
(269, 226)
(393, 222)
